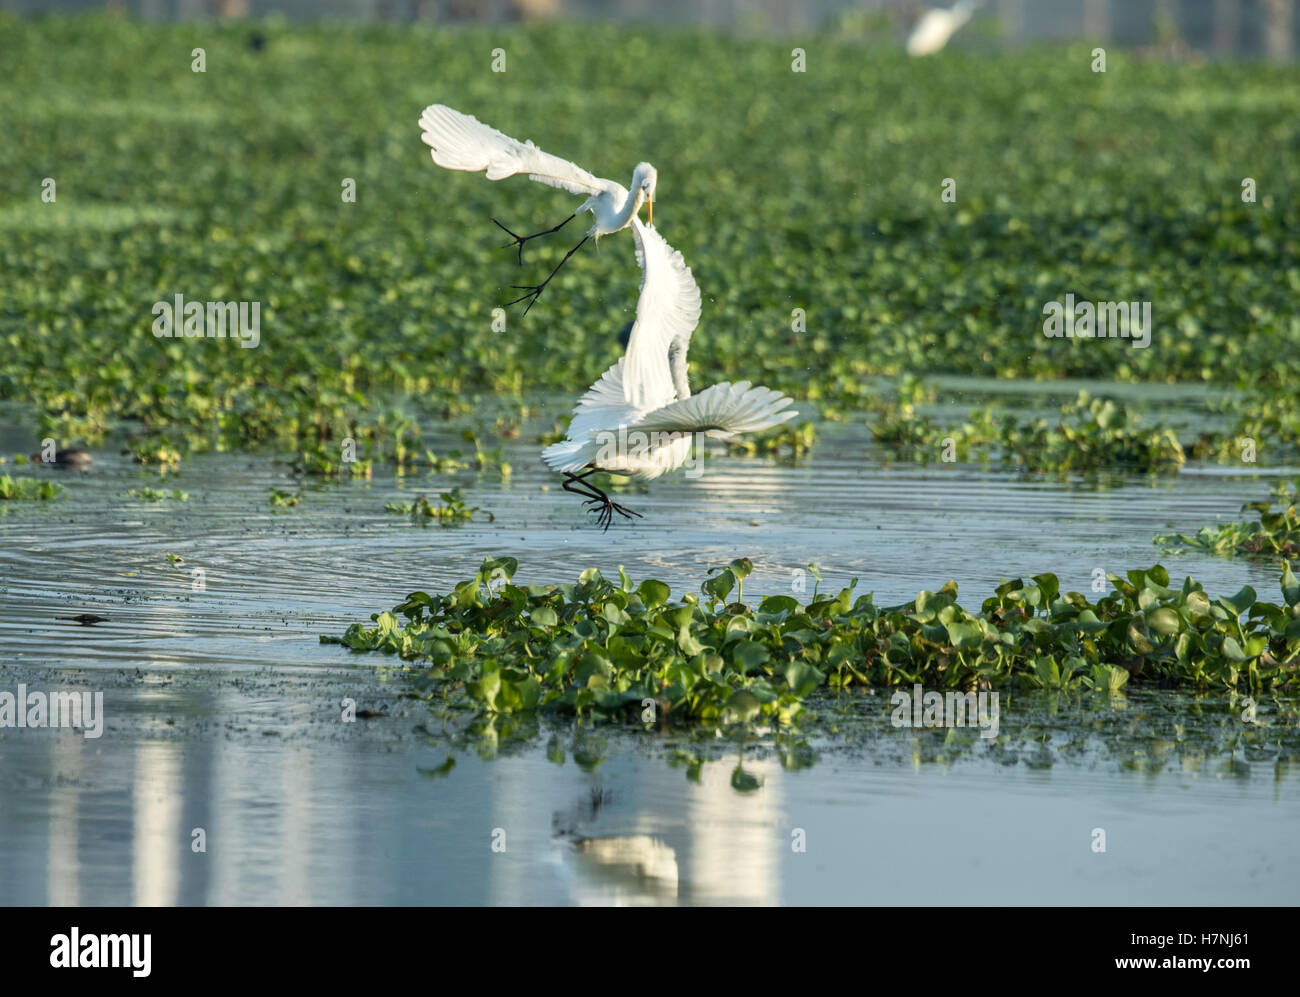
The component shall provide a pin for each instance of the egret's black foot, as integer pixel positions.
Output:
(518, 243)
(532, 291)
(598, 501)
(517, 240)
(605, 507)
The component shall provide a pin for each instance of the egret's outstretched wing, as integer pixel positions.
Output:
(462, 142)
(722, 411)
(936, 27)
(666, 315)
(601, 408)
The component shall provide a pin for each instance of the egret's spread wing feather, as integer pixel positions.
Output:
(462, 142)
(568, 455)
(666, 314)
(603, 406)
(722, 411)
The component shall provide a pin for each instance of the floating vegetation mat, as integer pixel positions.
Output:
(615, 649)
(1091, 434)
(1275, 533)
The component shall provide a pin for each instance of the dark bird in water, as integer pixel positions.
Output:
(73, 459)
(85, 619)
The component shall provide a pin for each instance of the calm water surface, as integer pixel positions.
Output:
(223, 709)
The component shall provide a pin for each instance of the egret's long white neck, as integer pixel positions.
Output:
(635, 198)
(677, 366)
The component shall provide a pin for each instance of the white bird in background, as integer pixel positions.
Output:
(462, 142)
(936, 26)
(639, 418)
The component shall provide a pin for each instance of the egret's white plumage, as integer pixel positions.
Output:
(647, 391)
(937, 26)
(640, 417)
(462, 142)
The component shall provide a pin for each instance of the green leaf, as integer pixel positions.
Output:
(749, 654)
(1240, 602)
(1232, 650)
(1290, 586)
(720, 586)
(802, 678)
(742, 705)
(965, 635)
(1164, 621)
(543, 616)
(653, 593)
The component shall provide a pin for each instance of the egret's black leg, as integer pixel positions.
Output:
(534, 291)
(519, 240)
(599, 501)
(576, 484)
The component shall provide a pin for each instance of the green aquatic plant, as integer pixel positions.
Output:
(443, 464)
(155, 450)
(1274, 533)
(28, 489)
(406, 442)
(158, 494)
(281, 499)
(786, 441)
(618, 649)
(450, 511)
(1089, 434)
(318, 459)
(1092, 433)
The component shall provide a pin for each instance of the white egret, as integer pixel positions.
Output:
(935, 27)
(640, 418)
(461, 142)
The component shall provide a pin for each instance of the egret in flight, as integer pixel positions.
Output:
(462, 142)
(640, 418)
(936, 26)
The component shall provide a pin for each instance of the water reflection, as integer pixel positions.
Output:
(617, 817)
(708, 846)
(156, 835)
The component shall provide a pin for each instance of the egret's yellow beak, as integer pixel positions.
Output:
(650, 209)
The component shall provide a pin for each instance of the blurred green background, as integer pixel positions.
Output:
(816, 190)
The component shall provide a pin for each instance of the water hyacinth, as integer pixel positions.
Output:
(611, 649)
(1276, 534)
(450, 511)
(1090, 434)
(28, 488)
(379, 304)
